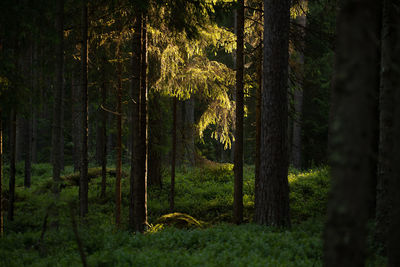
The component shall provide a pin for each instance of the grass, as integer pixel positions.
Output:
(205, 239)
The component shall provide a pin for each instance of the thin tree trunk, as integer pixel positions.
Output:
(83, 183)
(238, 168)
(76, 121)
(258, 116)
(13, 152)
(119, 141)
(173, 161)
(28, 149)
(135, 91)
(189, 131)
(104, 137)
(57, 111)
(272, 195)
(352, 132)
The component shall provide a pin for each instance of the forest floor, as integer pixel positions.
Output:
(206, 194)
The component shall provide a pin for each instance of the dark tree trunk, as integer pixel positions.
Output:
(258, 116)
(119, 141)
(189, 131)
(389, 85)
(155, 136)
(83, 182)
(238, 168)
(103, 136)
(13, 152)
(28, 149)
(352, 132)
(298, 100)
(20, 137)
(1, 174)
(57, 111)
(140, 196)
(388, 197)
(272, 195)
(76, 100)
(135, 91)
(173, 160)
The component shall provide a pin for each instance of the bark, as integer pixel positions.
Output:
(155, 136)
(389, 85)
(13, 152)
(258, 116)
(238, 152)
(28, 150)
(272, 195)
(388, 200)
(135, 91)
(83, 182)
(1, 174)
(57, 111)
(298, 100)
(20, 137)
(76, 121)
(104, 137)
(173, 161)
(352, 132)
(140, 186)
(189, 131)
(119, 142)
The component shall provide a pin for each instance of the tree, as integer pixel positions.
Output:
(140, 182)
(298, 90)
(103, 134)
(119, 140)
(352, 132)
(135, 90)
(57, 128)
(173, 156)
(238, 150)
(13, 152)
(387, 209)
(272, 195)
(389, 85)
(83, 182)
(1, 174)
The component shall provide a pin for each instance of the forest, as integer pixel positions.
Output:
(199, 133)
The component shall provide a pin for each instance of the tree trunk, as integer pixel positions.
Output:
(1, 174)
(135, 91)
(57, 111)
(28, 149)
(155, 136)
(13, 152)
(119, 141)
(388, 200)
(272, 195)
(83, 182)
(189, 131)
(298, 99)
(140, 187)
(173, 161)
(238, 168)
(76, 121)
(258, 117)
(104, 136)
(389, 85)
(352, 132)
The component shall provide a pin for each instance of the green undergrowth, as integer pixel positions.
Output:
(197, 234)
